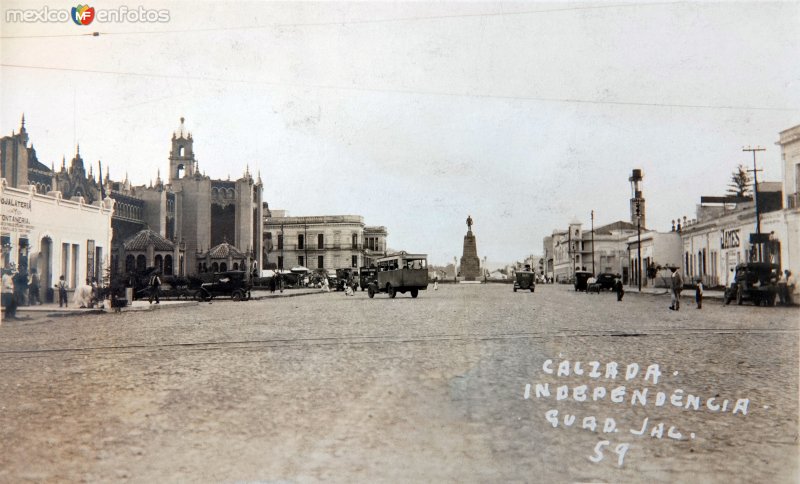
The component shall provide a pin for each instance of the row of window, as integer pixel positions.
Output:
(217, 267)
(139, 263)
(127, 210)
(222, 192)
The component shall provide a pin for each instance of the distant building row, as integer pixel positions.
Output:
(707, 247)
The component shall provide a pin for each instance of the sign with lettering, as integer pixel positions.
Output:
(730, 239)
(16, 215)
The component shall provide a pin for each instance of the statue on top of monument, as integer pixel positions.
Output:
(469, 222)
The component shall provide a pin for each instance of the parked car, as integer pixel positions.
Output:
(366, 275)
(756, 282)
(606, 280)
(343, 276)
(581, 278)
(233, 284)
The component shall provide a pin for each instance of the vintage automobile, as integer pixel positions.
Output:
(343, 276)
(525, 280)
(365, 275)
(605, 281)
(581, 278)
(233, 284)
(754, 281)
(401, 272)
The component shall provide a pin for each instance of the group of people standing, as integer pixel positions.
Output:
(19, 289)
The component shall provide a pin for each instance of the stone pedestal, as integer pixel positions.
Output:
(470, 263)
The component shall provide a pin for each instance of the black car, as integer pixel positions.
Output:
(366, 275)
(754, 281)
(606, 280)
(581, 280)
(233, 284)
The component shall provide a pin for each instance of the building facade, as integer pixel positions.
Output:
(658, 249)
(566, 251)
(322, 242)
(55, 236)
(789, 141)
(189, 209)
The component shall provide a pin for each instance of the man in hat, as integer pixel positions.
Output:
(677, 286)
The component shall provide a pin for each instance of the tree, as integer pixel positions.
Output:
(740, 182)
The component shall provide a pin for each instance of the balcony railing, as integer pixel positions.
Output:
(310, 247)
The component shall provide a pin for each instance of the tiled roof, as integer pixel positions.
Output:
(144, 238)
(223, 250)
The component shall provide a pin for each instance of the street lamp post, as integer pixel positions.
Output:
(455, 269)
(283, 242)
(639, 245)
(484, 269)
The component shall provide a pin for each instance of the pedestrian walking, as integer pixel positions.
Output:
(436, 282)
(698, 293)
(325, 286)
(9, 300)
(155, 285)
(790, 284)
(618, 288)
(33, 289)
(677, 286)
(62, 292)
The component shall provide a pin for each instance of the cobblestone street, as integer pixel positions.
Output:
(352, 389)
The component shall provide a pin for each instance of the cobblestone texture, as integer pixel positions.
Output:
(351, 389)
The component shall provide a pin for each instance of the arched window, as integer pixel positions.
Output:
(141, 263)
(168, 265)
(235, 266)
(180, 150)
(130, 263)
(215, 267)
(223, 267)
(159, 263)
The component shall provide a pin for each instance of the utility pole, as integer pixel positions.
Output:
(639, 244)
(281, 244)
(755, 184)
(593, 272)
(755, 171)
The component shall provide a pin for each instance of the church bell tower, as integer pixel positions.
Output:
(181, 158)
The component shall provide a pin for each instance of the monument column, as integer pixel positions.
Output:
(470, 263)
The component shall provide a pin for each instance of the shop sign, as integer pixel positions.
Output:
(730, 239)
(15, 215)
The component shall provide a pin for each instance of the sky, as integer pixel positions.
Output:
(524, 115)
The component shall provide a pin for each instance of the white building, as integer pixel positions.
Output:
(569, 250)
(322, 242)
(55, 236)
(658, 249)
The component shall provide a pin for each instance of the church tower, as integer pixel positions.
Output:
(181, 158)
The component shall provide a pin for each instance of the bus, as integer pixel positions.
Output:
(401, 272)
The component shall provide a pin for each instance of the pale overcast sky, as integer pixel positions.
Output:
(414, 115)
